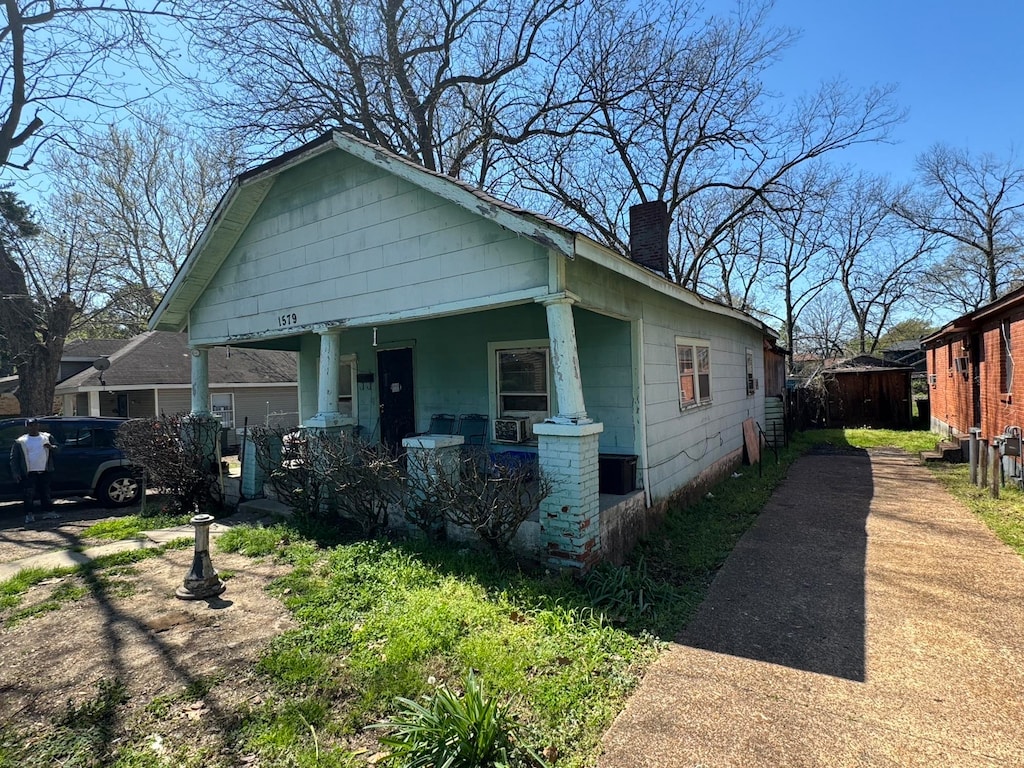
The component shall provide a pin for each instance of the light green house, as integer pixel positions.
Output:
(407, 293)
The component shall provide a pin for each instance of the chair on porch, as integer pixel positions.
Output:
(442, 424)
(473, 427)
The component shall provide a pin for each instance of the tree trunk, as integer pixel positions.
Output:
(35, 333)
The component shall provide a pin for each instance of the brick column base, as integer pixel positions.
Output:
(570, 517)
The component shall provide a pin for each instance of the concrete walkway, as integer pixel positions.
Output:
(867, 619)
(260, 511)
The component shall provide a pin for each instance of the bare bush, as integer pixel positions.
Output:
(288, 459)
(365, 480)
(492, 499)
(176, 454)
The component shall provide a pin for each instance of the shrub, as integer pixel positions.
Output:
(467, 731)
(176, 453)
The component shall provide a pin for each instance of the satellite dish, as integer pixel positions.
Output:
(101, 364)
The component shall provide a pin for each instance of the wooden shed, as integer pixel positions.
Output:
(867, 391)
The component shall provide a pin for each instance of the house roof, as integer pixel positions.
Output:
(866, 364)
(248, 190)
(162, 358)
(967, 322)
(91, 349)
(8, 385)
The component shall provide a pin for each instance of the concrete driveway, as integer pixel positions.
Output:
(867, 619)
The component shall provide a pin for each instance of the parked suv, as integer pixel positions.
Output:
(87, 464)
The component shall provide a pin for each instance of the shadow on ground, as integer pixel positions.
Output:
(792, 592)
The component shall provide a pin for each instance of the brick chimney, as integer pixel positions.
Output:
(648, 235)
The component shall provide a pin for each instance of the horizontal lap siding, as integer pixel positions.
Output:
(606, 367)
(337, 239)
(681, 444)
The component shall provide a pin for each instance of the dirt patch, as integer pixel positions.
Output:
(194, 657)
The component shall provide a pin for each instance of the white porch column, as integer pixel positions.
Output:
(200, 380)
(94, 403)
(565, 359)
(327, 414)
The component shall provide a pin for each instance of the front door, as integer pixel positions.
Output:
(397, 415)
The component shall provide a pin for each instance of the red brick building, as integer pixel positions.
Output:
(972, 363)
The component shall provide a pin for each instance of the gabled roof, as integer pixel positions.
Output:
(92, 349)
(247, 191)
(161, 358)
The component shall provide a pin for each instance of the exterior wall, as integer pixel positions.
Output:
(338, 240)
(681, 443)
(879, 398)
(1002, 401)
(952, 401)
(451, 367)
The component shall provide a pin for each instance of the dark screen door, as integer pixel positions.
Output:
(397, 414)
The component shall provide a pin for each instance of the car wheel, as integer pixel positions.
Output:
(118, 488)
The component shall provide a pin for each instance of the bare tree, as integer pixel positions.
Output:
(826, 326)
(796, 255)
(38, 304)
(446, 83)
(683, 118)
(141, 195)
(877, 258)
(61, 67)
(977, 203)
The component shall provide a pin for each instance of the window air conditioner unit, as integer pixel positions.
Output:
(933, 379)
(515, 430)
(960, 364)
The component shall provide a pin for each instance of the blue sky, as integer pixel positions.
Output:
(958, 65)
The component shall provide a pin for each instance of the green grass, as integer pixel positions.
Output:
(130, 526)
(379, 620)
(1004, 516)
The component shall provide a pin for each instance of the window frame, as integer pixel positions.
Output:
(695, 374)
(493, 374)
(351, 361)
(751, 378)
(215, 412)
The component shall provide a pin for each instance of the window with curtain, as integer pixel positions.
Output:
(523, 385)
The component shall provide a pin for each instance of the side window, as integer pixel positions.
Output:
(693, 357)
(103, 438)
(8, 435)
(523, 386)
(751, 383)
(78, 438)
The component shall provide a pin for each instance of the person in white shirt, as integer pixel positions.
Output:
(32, 466)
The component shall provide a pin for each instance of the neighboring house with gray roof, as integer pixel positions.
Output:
(150, 375)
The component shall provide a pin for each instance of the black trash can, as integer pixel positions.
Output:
(616, 473)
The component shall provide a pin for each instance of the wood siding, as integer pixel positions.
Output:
(681, 444)
(339, 241)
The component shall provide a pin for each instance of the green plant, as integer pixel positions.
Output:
(452, 731)
(626, 591)
(130, 526)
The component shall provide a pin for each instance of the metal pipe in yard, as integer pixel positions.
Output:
(994, 469)
(983, 463)
(973, 454)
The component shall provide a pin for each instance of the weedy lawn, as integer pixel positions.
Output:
(379, 620)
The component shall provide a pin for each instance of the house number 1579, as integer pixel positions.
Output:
(289, 318)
